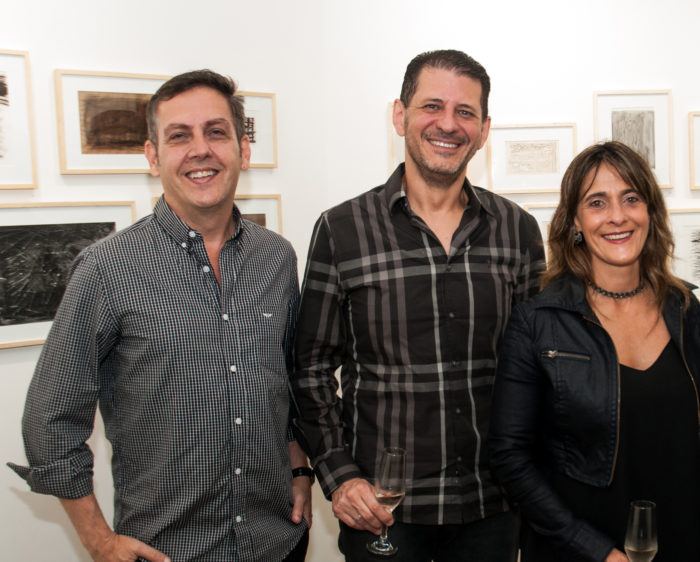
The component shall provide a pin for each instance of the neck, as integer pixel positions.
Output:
(431, 198)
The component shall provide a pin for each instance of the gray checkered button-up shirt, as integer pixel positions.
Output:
(415, 331)
(191, 378)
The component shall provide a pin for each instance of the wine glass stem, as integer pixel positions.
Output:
(384, 537)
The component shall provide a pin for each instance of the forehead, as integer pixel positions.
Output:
(195, 106)
(606, 179)
(447, 84)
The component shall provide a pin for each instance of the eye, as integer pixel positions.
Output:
(431, 107)
(465, 113)
(633, 198)
(595, 203)
(176, 137)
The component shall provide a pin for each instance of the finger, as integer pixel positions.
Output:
(149, 553)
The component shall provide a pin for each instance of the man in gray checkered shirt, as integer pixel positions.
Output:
(181, 328)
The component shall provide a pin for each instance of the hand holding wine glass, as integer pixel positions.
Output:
(390, 489)
(641, 542)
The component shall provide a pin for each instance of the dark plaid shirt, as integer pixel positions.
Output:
(192, 382)
(415, 332)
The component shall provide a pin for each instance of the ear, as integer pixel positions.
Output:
(245, 152)
(398, 116)
(577, 224)
(485, 128)
(152, 157)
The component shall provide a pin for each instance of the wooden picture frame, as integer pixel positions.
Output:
(261, 128)
(265, 210)
(685, 225)
(101, 120)
(644, 121)
(694, 149)
(17, 142)
(529, 158)
(38, 242)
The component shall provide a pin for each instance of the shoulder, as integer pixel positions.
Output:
(365, 201)
(123, 243)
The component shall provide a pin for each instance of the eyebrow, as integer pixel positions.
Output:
(212, 122)
(588, 195)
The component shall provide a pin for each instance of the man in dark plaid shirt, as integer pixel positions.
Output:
(181, 327)
(408, 289)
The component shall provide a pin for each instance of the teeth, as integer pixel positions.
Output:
(444, 144)
(616, 236)
(201, 174)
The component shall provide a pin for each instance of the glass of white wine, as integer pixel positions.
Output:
(641, 540)
(390, 489)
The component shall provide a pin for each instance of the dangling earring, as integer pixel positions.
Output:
(578, 237)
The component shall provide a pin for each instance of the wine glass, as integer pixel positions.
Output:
(389, 489)
(641, 542)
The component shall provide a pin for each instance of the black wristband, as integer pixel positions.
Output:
(303, 471)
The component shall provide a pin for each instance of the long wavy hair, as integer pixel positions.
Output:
(567, 256)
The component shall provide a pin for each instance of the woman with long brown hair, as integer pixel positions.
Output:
(596, 394)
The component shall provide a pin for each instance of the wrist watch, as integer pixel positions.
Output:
(304, 471)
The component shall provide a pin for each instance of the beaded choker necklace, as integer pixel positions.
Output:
(614, 295)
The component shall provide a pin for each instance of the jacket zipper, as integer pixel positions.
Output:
(553, 354)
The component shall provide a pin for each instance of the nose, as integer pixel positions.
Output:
(446, 121)
(617, 214)
(199, 147)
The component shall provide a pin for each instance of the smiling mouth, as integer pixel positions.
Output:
(199, 174)
(617, 236)
(443, 144)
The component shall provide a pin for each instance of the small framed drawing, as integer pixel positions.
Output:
(685, 224)
(261, 128)
(529, 158)
(694, 133)
(543, 213)
(643, 121)
(38, 242)
(17, 152)
(265, 210)
(102, 121)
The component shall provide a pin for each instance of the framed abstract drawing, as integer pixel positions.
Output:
(17, 148)
(265, 210)
(261, 128)
(102, 121)
(38, 243)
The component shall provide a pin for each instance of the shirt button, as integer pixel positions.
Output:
(451, 315)
(453, 363)
(184, 245)
(225, 317)
(238, 471)
(193, 234)
(459, 459)
(458, 410)
(448, 268)
(232, 368)
(239, 518)
(238, 421)
(206, 269)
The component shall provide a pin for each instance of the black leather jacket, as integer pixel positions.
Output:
(555, 406)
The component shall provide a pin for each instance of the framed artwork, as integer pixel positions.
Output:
(261, 128)
(685, 224)
(38, 242)
(17, 149)
(529, 158)
(694, 132)
(543, 213)
(102, 121)
(265, 210)
(643, 121)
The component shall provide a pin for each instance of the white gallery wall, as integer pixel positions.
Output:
(334, 67)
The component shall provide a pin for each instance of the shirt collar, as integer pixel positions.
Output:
(176, 228)
(395, 193)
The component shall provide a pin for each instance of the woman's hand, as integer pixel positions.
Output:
(616, 556)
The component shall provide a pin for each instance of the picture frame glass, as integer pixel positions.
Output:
(261, 128)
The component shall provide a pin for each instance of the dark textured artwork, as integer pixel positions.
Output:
(4, 102)
(250, 129)
(112, 123)
(34, 264)
(257, 218)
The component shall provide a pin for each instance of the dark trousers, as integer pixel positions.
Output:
(494, 539)
(299, 552)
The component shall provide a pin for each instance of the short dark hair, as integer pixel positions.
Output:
(448, 59)
(565, 255)
(188, 81)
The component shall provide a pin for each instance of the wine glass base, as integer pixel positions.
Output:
(385, 550)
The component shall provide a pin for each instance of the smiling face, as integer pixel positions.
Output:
(614, 221)
(198, 157)
(443, 125)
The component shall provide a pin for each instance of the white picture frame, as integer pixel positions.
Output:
(265, 210)
(694, 149)
(529, 158)
(261, 108)
(17, 144)
(685, 225)
(72, 119)
(543, 213)
(644, 121)
(39, 250)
